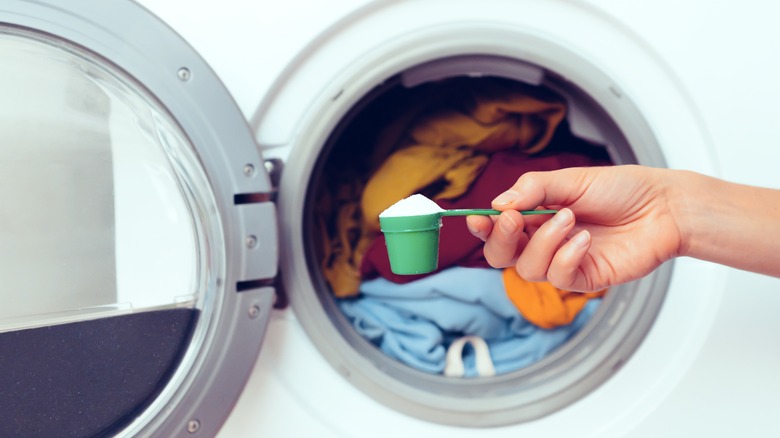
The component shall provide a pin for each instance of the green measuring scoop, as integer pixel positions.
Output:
(413, 241)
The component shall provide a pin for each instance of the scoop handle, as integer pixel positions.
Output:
(489, 212)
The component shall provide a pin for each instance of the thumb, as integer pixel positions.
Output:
(532, 189)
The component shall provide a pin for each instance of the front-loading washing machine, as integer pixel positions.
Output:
(145, 305)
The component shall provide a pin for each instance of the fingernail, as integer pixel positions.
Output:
(562, 218)
(506, 197)
(581, 239)
(507, 224)
(471, 228)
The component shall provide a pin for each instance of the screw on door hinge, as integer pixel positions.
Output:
(184, 74)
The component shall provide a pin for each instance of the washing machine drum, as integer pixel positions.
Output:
(137, 230)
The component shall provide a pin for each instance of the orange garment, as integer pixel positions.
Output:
(449, 145)
(543, 304)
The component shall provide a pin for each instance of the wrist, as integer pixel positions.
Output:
(727, 223)
(687, 195)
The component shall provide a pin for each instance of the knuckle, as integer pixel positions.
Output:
(558, 279)
(499, 262)
(561, 272)
(528, 182)
(492, 259)
(492, 262)
(529, 273)
(527, 178)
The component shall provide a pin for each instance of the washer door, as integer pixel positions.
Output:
(138, 235)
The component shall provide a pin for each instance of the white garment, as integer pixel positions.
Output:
(484, 364)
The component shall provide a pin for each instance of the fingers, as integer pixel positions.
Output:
(480, 226)
(547, 256)
(535, 260)
(565, 270)
(505, 240)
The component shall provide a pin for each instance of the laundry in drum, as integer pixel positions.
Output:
(411, 228)
(456, 143)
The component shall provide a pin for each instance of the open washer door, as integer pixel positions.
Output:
(138, 242)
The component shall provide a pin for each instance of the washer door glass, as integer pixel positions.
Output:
(118, 304)
(97, 191)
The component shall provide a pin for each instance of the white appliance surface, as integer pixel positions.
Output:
(724, 55)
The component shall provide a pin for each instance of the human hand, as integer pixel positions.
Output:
(615, 224)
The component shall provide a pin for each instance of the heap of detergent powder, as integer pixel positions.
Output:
(415, 205)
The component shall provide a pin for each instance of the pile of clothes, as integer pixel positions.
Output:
(460, 149)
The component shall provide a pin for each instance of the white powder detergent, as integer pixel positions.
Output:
(415, 205)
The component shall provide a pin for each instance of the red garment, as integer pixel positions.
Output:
(457, 246)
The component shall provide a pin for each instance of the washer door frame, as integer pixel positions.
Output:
(227, 340)
(347, 61)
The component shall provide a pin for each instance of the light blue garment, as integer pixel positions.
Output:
(415, 322)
